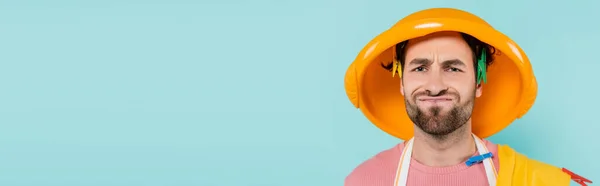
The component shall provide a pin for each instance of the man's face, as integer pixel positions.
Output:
(438, 83)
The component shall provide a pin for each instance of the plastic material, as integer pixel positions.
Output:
(478, 159)
(509, 93)
(577, 178)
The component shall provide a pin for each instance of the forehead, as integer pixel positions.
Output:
(439, 47)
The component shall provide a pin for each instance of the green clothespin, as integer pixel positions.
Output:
(481, 68)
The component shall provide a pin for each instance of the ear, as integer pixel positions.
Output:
(478, 90)
(401, 87)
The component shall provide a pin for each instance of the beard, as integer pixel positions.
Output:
(434, 120)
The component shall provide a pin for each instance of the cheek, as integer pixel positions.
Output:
(408, 87)
(414, 79)
(463, 88)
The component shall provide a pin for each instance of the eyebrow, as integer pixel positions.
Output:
(420, 62)
(426, 62)
(453, 62)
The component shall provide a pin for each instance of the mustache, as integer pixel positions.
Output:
(428, 93)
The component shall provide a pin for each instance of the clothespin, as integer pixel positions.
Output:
(396, 65)
(478, 159)
(577, 178)
(481, 68)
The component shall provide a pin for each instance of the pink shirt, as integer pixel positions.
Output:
(380, 170)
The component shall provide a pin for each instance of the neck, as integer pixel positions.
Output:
(441, 151)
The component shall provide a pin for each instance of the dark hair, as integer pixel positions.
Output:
(475, 44)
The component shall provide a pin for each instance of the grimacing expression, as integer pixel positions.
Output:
(438, 82)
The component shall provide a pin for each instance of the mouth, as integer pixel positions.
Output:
(435, 99)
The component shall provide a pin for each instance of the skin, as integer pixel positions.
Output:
(439, 90)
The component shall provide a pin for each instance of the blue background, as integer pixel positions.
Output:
(232, 92)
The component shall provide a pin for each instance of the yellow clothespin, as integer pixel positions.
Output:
(395, 64)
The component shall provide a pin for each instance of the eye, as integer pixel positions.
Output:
(419, 69)
(451, 69)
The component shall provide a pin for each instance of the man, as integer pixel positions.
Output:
(446, 90)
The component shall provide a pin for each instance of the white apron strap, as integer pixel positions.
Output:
(488, 163)
(404, 163)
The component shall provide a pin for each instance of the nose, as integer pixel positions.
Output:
(435, 85)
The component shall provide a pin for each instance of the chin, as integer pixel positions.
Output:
(440, 110)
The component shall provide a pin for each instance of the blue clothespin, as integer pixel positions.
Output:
(478, 159)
